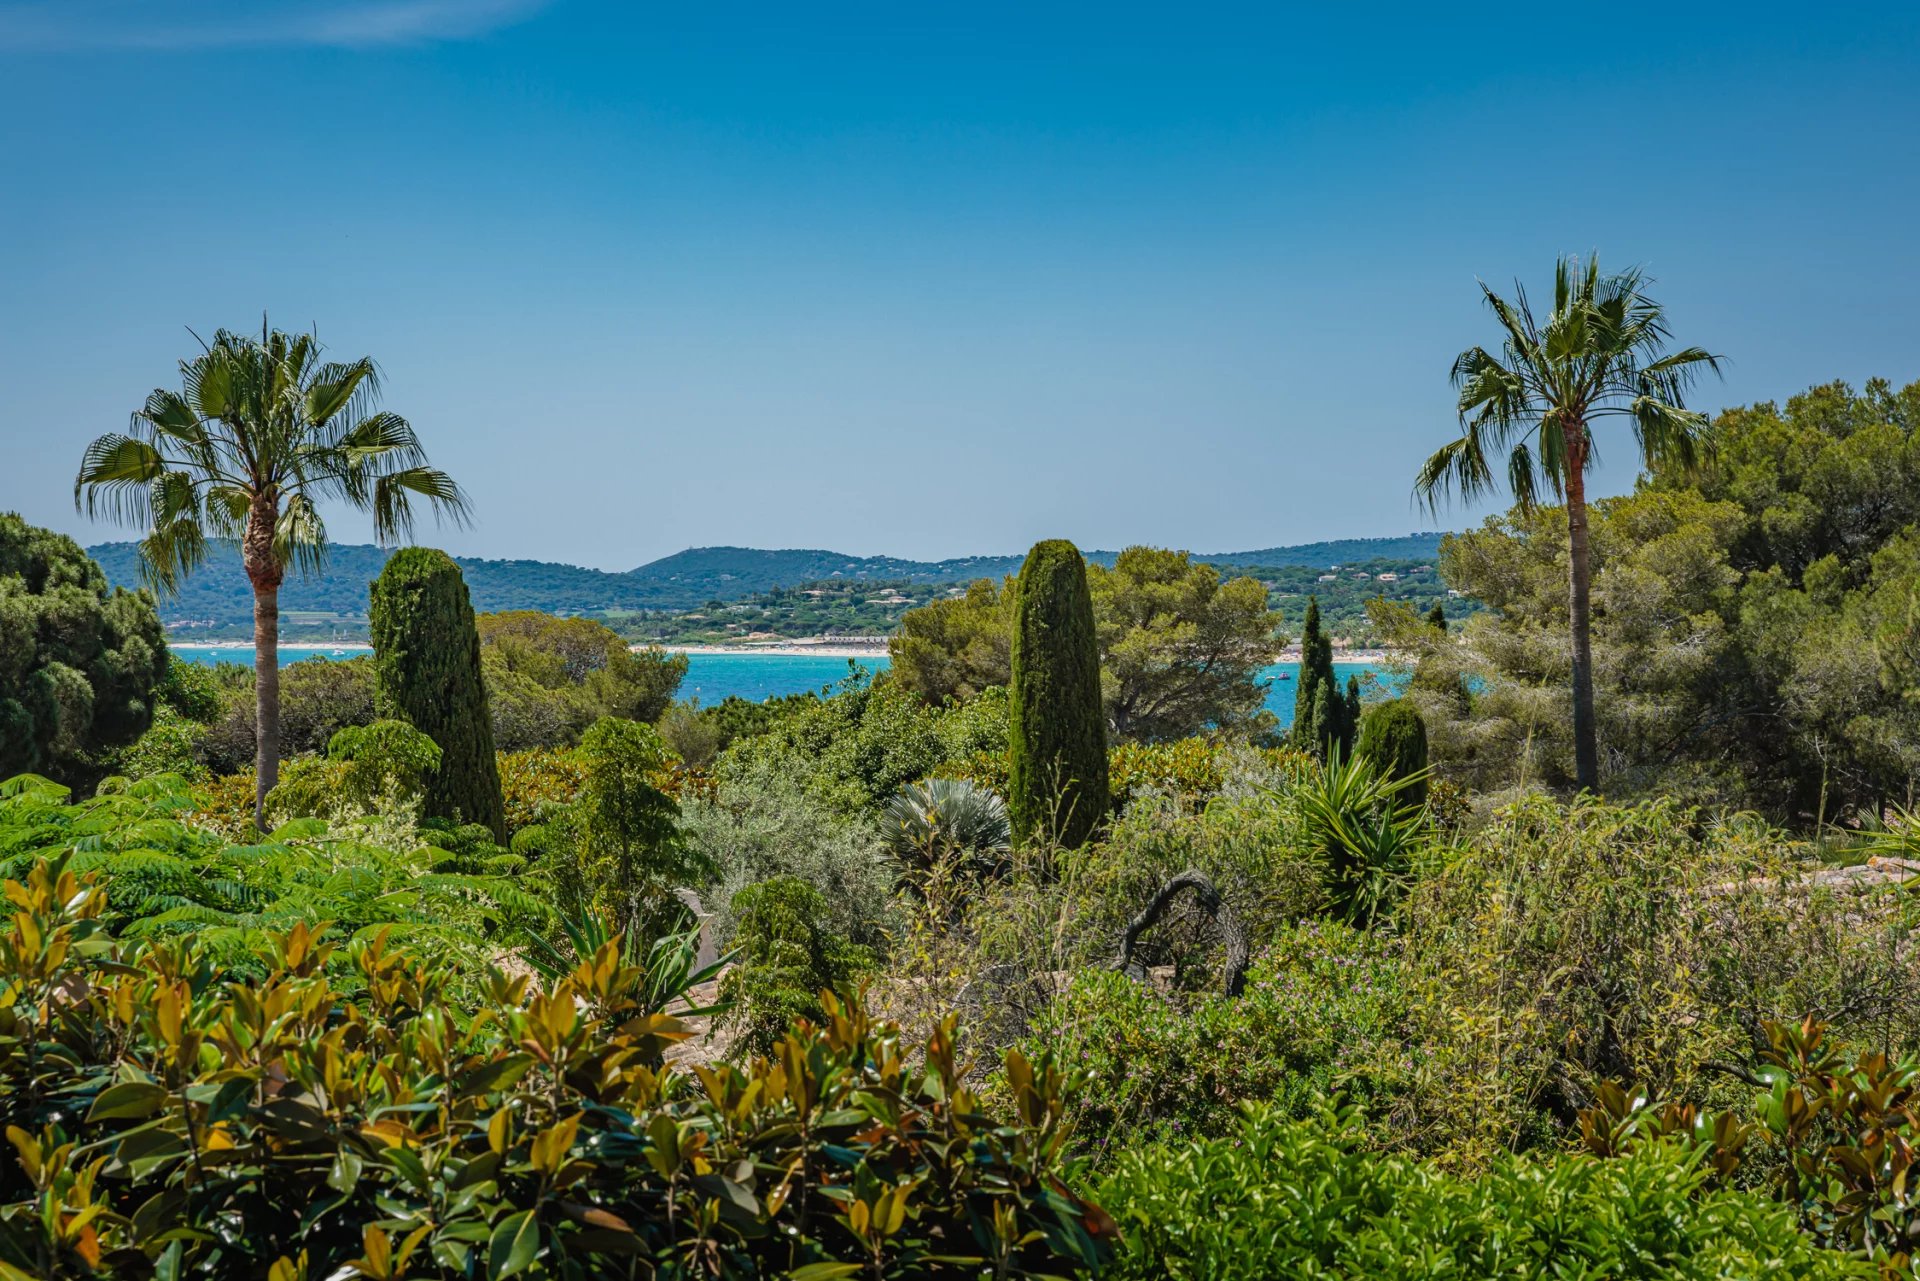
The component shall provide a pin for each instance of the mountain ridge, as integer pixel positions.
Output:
(218, 595)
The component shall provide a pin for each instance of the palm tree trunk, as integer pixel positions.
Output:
(263, 570)
(1586, 752)
(266, 698)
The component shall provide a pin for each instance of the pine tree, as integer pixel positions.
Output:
(1437, 617)
(1394, 738)
(427, 671)
(1057, 780)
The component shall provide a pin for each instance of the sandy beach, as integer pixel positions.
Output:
(810, 648)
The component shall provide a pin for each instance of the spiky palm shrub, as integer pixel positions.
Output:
(1057, 767)
(427, 671)
(937, 819)
(1394, 739)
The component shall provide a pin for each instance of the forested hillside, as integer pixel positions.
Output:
(216, 600)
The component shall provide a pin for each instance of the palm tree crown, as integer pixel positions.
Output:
(259, 424)
(1597, 355)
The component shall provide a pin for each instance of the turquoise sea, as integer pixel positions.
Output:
(712, 677)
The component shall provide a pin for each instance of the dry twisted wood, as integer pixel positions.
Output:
(1212, 904)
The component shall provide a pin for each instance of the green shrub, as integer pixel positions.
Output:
(1394, 739)
(535, 780)
(156, 1104)
(319, 697)
(1322, 1011)
(1283, 1199)
(787, 957)
(857, 748)
(386, 758)
(1250, 844)
(1057, 771)
(166, 874)
(765, 821)
(171, 745)
(427, 663)
(617, 848)
(80, 663)
(1569, 943)
(1835, 1137)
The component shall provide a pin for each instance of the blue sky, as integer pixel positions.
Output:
(928, 280)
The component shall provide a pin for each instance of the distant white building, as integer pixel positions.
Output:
(1388, 578)
(1361, 577)
(1329, 578)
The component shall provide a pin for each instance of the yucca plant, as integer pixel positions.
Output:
(1361, 819)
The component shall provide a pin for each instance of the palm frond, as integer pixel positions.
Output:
(1598, 352)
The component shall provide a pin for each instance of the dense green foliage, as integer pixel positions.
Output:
(79, 662)
(427, 672)
(1057, 763)
(1279, 1198)
(549, 678)
(168, 874)
(788, 956)
(616, 850)
(336, 1112)
(1754, 623)
(1393, 739)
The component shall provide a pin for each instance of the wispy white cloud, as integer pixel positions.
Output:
(49, 25)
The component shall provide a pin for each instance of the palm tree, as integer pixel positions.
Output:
(1600, 353)
(260, 431)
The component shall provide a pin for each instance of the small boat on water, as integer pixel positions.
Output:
(339, 653)
(1284, 676)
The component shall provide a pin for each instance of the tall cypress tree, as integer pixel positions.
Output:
(1437, 616)
(1318, 707)
(1349, 717)
(1057, 780)
(427, 671)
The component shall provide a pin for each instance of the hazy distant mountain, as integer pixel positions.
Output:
(218, 592)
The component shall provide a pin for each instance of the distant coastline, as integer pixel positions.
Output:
(813, 647)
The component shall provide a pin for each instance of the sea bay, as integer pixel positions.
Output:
(712, 677)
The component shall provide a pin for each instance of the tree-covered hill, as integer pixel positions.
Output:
(216, 601)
